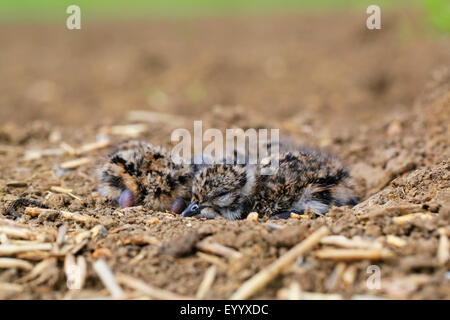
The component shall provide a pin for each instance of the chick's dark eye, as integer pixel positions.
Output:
(221, 193)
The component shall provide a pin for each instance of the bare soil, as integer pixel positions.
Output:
(380, 100)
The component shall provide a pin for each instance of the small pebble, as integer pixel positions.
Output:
(152, 221)
(253, 216)
(394, 128)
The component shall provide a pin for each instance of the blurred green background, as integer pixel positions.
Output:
(437, 11)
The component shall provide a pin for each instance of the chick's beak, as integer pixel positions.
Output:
(192, 210)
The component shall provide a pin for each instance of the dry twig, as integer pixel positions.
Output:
(11, 249)
(395, 241)
(152, 292)
(41, 272)
(77, 217)
(212, 259)
(15, 264)
(35, 211)
(92, 146)
(140, 240)
(105, 274)
(218, 249)
(353, 254)
(37, 154)
(65, 191)
(17, 232)
(62, 230)
(410, 217)
(7, 289)
(206, 283)
(258, 281)
(335, 276)
(129, 130)
(155, 117)
(443, 249)
(75, 271)
(349, 275)
(73, 164)
(357, 243)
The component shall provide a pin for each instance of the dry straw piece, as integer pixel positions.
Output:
(75, 216)
(262, 278)
(101, 144)
(11, 249)
(156, 117)
(212, 259)
(336, 276)
(218, 249)
(75, 271)
(396, 241)
(206, 283)
(65, 191)
(60, 237)
(41, 271)
(37, 154)
(105, 274)
(7, 263)
(67, 148)
(353, 254)
(152, 292)
(443, 249)
(73, 164)
(140, 240)
(17, 232)
(9, 288)
(128, 130)
(410, 217)
(355, 243)
(35, 211)
(60, 189)
(349, 275)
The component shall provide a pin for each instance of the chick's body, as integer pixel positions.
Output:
(302, 179)
(144, 174)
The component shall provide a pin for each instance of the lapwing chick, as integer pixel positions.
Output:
(222, 190)
(301, 179)
(138, 173)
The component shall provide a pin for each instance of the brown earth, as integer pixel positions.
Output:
(380, 100)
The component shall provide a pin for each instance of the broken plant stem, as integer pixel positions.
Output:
(107, 277)
(262, 278)
(218, 249)
(152, 292)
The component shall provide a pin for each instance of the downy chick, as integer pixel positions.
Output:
(304, 178)
(138, 173)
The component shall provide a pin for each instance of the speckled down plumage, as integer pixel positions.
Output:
(148, 173)
(303, 178)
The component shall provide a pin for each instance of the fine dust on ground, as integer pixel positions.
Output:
(379, 100)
